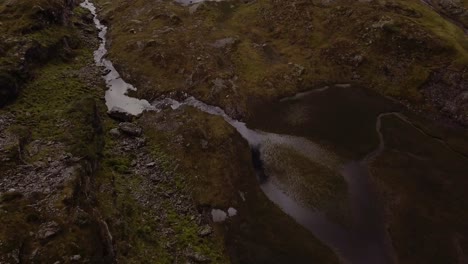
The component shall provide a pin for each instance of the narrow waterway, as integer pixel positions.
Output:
(116, 94)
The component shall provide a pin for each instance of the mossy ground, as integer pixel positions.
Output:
(57, 106)
(33, 32)
(147, 225)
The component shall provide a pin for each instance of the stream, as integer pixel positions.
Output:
(365, 240)
(116, 94)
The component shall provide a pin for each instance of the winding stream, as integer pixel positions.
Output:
(116, 94)
(365, 241)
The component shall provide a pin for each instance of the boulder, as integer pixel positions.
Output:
(205, 231)
(130, 129)
(120, 114)
(197, 257)
(151, 164)
(48, 230)
(115, 132)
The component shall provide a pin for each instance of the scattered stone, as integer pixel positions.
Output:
(232, 212)
(75, 258)
(204, 144)
(175, 19)
(205, 231)
(155, 178)
(120, 114)
(166, 30)
(218, 215)
(357, 60)
(242, 195)
(299, 69)
(197, 257)
(114, 132)
(15, 254)
(384, 21)
(152, 43)
(225, 42)
(130, 129)
(356, 76)
(140, 142)
(218, 85)
(48, 230)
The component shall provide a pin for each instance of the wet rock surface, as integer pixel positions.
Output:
(120, 114)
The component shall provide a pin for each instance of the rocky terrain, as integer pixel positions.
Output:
(379, 83)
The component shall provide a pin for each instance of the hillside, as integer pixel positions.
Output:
(253, 131)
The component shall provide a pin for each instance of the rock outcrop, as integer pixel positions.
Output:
(30, 43)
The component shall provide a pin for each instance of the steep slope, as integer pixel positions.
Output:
(381, 79)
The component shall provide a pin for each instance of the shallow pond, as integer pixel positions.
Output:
(364, 239)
